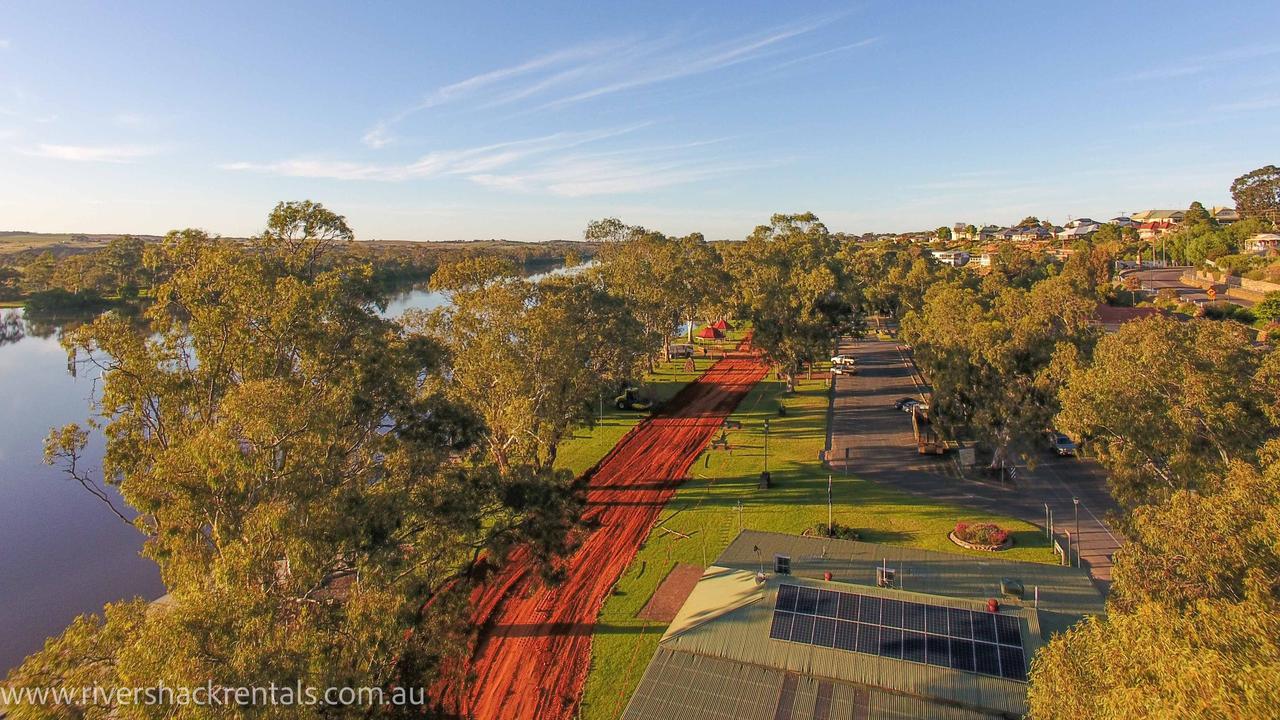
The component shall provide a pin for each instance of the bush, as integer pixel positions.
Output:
(838, 531)
(981, 533)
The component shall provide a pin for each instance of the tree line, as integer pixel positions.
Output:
(322, 486)
(1184, 413)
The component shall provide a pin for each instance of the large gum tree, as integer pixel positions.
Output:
(315, 503)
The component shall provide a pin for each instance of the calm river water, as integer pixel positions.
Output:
(62, 552)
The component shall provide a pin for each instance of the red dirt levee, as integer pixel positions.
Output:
(535, 643)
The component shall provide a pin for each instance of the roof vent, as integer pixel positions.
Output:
(884, 577)
(1011, 587)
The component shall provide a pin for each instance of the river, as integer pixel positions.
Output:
(62, 552)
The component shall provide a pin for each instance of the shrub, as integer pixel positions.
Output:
(981, 533)
(838, 531)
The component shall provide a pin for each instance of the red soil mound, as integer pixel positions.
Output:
(535, 644)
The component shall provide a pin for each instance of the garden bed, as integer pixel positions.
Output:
(981, 536)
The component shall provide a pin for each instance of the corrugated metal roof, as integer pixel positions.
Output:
(684, 686)
(1066, 593)
(717, 659)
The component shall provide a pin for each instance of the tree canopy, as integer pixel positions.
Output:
(310, 494)
(789, 281)
(1257, 193)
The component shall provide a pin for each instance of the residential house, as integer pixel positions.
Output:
(1262, 243)
(1224, 215)
(954, 258)
(808, 628)
(1030, 233)
(1078, 231)
(1122, 221)
(1154, 229)
(1071, 224)
(987, 233)
(1169, 216)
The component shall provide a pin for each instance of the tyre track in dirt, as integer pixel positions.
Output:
(534, 650)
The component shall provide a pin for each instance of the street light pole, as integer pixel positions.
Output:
(766, 445)
(1075, 501)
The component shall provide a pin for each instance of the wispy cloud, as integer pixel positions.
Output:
(91, 153)
(613, 173)
(595, 70)
(442, 162)
(1197, 64)
(380, 134)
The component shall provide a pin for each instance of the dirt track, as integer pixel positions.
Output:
(535, 645)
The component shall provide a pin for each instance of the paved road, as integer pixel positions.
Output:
(1171, 279)
(878, 442)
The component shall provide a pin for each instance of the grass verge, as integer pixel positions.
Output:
(722, 495)
(591, 443)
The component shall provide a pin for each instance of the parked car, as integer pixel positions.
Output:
(844, 369)
(907, 404)
(1060, 444)
(843, 360)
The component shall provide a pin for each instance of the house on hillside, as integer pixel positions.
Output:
(1224, 215)
(1170, 216)
(1262, 243)
(1154, 229)
(1122, 221)
(782, 626)
(1071, 224)
(987, 233)
(1072, 232)
(1030, 233)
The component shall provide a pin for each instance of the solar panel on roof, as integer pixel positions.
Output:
(869, 610)
(802, 629)
(891, 613)
(848, 609)
(824, 632)
(984, 627)
(827, 602)
(846, 635)
(786, 598)
(982, 642)
(1012, 664)
(986, 658)
(913, 617)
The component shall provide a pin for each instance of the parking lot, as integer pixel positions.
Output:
(872, 439)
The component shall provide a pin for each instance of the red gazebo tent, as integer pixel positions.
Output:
(722, 324)
(710, 332)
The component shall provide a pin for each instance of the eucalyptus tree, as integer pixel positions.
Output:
(998, 362)
(1167, 404)
(1193, 621)
(529, 358)
(789, 280)
(298, 477)
(664, 280)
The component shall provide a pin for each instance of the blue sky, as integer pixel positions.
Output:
(526, 120)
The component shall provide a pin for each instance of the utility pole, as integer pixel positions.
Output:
(1075, 501)
(831, 532)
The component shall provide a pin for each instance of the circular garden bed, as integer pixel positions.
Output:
(981, 536)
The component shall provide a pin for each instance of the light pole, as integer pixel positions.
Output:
(1075, 501)
(766, 445)
(764, 476)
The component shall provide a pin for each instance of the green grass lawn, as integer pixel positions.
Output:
(589, 444)
(705, 509)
